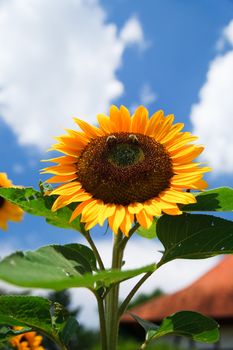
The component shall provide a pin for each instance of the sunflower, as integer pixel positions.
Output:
(8, 211)
(128, 169)
(27, 341)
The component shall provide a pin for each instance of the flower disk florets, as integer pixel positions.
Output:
(121, 169)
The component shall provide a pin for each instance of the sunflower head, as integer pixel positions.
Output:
(129, 168)
(8, 211)
(27, 341)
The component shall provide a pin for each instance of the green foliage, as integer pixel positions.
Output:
(60, 267)
(194, 236)
(36, 203)
(184, 323)
(218, 199)
(36, 313)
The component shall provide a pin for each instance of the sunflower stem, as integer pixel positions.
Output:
(103, 333)
(112, 299)
(127, 300)
(87, 235)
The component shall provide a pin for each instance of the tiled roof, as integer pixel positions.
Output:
(212, 295)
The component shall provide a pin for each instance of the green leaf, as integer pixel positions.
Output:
(60, 267)
(34, 313)
(35, 203)
(184, 323)
(148, 233)
(218, 199)
(194, 236)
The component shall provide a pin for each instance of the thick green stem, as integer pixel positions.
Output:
(112, 319)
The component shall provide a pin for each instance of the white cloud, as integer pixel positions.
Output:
(147, 95)
(212, 116)
(132, 33)
(58, 58)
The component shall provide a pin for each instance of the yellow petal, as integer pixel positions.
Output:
(172, 134)
(174, 196)
(152, 208)
(154, 122)
(60, 170)
(69, 187)
(61, 160)
(127, 223)
(164, 127)
(172, 211)
(90, 130)
(78, 210)
(125, 119)
(139, 120)
(144, 219)
(135, 208)
(107, 211)
(116, 219)
(105, 123)
(114, 114)
(65, 178)
(92, 210)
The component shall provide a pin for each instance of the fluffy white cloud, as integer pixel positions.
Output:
(58, 58)
(147, 95)
(212, 116)
(132, 33)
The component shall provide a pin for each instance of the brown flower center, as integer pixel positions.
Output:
(124, 168)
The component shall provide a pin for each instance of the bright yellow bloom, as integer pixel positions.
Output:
(8, 211)
(27, 341)
(127, 169)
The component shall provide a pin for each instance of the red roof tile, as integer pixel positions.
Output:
(212, 295)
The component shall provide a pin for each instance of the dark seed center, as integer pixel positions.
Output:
(123, 168)
(125, 154)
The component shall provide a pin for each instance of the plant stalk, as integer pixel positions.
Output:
(103, 333)
(112, 299)
(87, 235)
(127, 300)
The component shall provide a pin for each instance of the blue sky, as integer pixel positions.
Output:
(64, 58)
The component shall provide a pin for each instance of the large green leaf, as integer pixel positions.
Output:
(218, 199)
(36, 203)
(35, 313)
(184, 323)
(194, 236)
(59, 267)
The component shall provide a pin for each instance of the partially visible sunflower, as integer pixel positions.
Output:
(127, 169)
(8, 211)
(27, 341)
